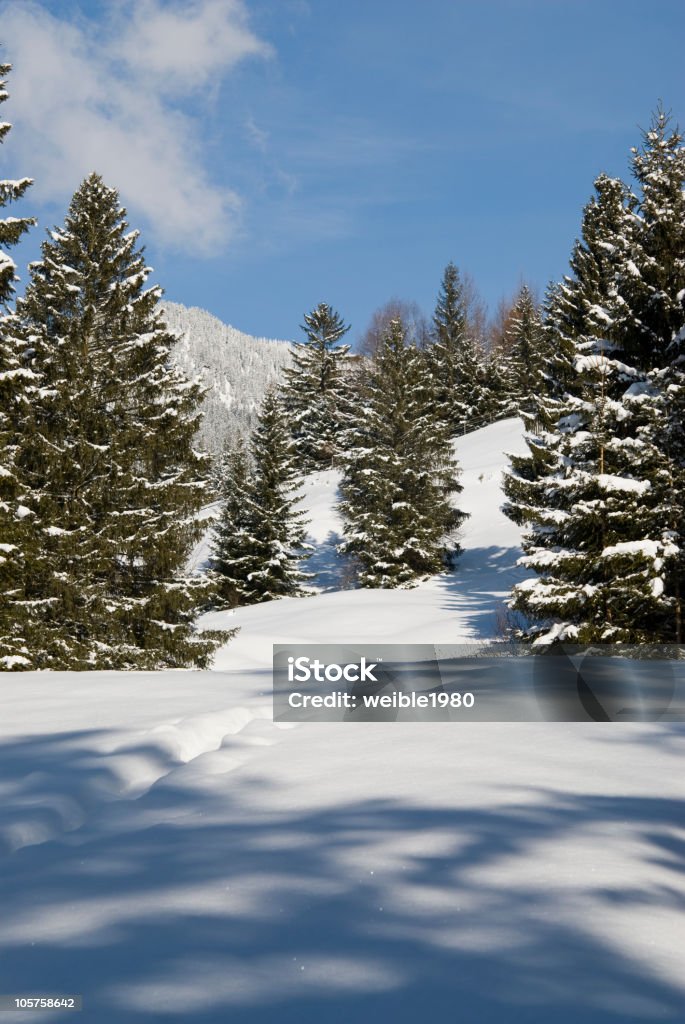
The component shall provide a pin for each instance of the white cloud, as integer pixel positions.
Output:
(186, 46)
(81, 104)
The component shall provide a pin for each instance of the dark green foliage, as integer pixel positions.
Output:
(17, 536)
(260, 536)
(653, 289)
(106, 461)
(655, 294)
(399, 473)
(456, 359)
(315, 394)
(234, 543)
(601, 488)
(275, 527)
(522, 367)
(498, 399)
(11, 229)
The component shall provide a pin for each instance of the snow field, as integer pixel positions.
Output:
(173, 855)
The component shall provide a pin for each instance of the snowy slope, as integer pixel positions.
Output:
(235, 368)
(450, 608)
(172, 854)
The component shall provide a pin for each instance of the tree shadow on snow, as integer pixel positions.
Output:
(330, 569)
(201, 902)
(479, 586)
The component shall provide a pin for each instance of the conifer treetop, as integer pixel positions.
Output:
(324, 328)
(315, 388)
(11, 228)
(449, 319)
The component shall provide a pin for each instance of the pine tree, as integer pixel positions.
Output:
(315, 393)
(275, 528)
(455, 358)
(107, 460)
(17, 537)
(399, 474)
(235, 544)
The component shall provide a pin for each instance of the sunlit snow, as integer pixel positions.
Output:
(173, 855)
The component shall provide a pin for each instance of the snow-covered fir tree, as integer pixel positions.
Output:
(455, 358)
(568, 491)
(315, 392)
(11, 228)
(17, 535)
(267, 563)
(670, 408)
(655, 296)
(399, 473)
(106, 461)
(599, 488)
(234, 542)
(497, 401)
(522, 366)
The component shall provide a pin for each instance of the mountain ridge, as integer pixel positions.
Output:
(235, 368)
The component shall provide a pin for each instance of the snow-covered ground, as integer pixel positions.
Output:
(173, 855)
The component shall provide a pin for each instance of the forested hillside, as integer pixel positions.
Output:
(235, 368)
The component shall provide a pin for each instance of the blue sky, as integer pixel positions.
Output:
(279, 153)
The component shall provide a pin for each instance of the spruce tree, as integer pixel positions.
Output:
(399, 474)
(555, 490)
(499, 400)
(107, 460)
(234, 541)
(455, 358)
(526, 350)
(599, 489)
(275, 529)
(315, 391)
(655, 297)
(17, 535)
(11, 228)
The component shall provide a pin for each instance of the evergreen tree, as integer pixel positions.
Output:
(499, 399)
(17, 536)
(655, 297)
(107, 460)
(399, 474)
(653, 288)
(599, 488)
(11, 228)
(455, 358)
(234, 543)
(558, 349)
(671, 418)
(578, 307)
(523, 364)
(315, 393)
(275, 529)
